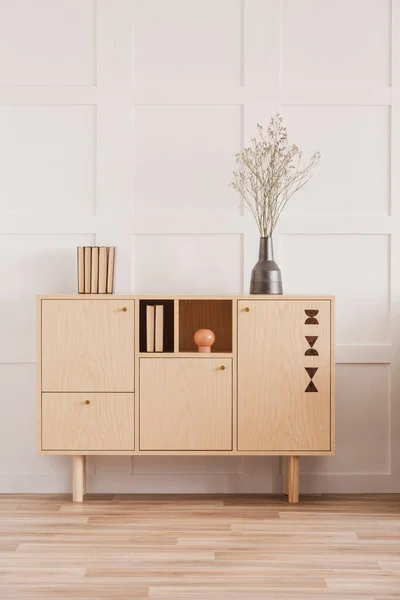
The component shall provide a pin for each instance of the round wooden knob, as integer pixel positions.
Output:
(247, 309)
(87, 401)
(204, 339)
(124, 309)
(222, 367)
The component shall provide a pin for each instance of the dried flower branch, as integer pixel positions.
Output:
(269, 172)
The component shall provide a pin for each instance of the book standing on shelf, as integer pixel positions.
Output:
(150, 320)
(156, 321)
(154, 328)
(159, 328)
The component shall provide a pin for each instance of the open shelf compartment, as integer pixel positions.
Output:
(205, 314)
(168, 324)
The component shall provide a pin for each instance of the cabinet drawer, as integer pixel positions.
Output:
(87, 421)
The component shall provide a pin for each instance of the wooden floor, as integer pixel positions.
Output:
(200, 547)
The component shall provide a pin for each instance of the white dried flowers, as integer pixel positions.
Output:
(269, 172)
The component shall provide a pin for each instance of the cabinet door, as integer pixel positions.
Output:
(284, 359)
(87, 422)
(87, 345)
(185, 404)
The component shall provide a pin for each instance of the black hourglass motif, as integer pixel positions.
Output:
(311, 372)
(311, 339)
(311, 320)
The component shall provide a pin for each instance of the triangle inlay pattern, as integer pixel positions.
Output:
(311, 387)
(311, 372)
(311, 339)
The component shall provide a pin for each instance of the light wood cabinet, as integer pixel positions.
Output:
(185, 404)
(267, 388)
(88, 346)
(88, 422)
(284, 378)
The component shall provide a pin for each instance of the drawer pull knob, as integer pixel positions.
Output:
(124, 309)
(222, 368)
(87, 401)
(247, 309)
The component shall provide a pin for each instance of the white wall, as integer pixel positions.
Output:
(118, 125)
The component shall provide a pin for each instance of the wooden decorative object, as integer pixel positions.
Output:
(204, 339)
(267, 388)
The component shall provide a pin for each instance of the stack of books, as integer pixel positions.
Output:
(96, 268)
(154, 328)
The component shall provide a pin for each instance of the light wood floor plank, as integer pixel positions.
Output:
(200, 547)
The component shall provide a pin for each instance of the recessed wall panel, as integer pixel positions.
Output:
(181, 41)
(187, 264)
(47, 42)
(47, 158)
(333, 43)
(353, 175)
(184, 158)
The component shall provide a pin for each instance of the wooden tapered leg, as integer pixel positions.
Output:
(78, 463)
(292, 479)
(287, 478)
(84, 475)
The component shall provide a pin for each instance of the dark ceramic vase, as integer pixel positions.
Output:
(266, 277)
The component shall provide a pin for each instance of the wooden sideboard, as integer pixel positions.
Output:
(267, 387)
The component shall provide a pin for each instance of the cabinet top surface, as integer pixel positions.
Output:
(182, 297)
